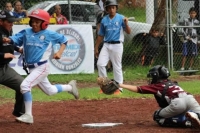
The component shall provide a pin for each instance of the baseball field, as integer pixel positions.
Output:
(67, 116)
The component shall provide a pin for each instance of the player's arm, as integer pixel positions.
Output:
(100, 37)
(16, 39)
(129, 87)
(98, 41)
(127, 28)
(58, 54)
(98, 27)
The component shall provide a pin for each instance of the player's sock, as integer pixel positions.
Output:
(61, 88)
(28, 102)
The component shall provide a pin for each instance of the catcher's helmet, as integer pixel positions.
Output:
(42, 15)
(158, 72)
(111, 3)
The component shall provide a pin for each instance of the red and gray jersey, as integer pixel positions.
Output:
(157, 89)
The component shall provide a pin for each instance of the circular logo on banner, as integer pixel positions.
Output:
(74, 53)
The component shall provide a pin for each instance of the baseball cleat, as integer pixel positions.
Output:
(25, 118)
(118, 92)
(193, 117)
(74, 89)
(17, 114)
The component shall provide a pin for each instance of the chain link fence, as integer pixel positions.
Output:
(178, 28)
(142, 14)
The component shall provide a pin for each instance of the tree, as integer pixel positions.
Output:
(160, 17)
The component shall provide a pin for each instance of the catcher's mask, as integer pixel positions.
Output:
(110, 3)
(158, 73)
(42, 15)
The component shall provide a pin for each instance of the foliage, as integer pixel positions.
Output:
(138, 13)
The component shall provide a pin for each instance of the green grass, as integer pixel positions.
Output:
(92, 93)
(130, 74)
(192, 87)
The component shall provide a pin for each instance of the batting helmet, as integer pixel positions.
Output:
(42, 15)
(111, 3)
(158, 72)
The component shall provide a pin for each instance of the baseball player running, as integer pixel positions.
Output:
(111, 32)
(37, 44)
(177, 107)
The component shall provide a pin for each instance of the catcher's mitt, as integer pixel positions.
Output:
(107, 85)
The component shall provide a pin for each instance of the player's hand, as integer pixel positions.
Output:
(57, 55)
(6, 40)
(96, 53)
(126, 21)
(8, 55)
(20, 50)
(188, 38)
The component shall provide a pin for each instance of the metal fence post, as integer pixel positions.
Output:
(70, 16)
(168, 33)
(171, 34)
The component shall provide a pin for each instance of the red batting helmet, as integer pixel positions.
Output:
(42, 15)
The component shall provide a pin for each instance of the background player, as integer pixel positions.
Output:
(111, 32)
(177, 107)
(37, 44)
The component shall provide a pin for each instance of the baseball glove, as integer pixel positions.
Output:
(107, 85)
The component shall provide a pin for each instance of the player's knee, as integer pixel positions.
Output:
(24, 88)
(99, 64)
(158, 118)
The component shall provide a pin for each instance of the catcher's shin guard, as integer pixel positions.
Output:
(176, 121)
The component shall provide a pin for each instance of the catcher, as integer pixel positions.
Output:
(177, 107)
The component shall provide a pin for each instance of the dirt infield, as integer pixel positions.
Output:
(68, 117)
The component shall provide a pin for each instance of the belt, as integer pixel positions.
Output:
(36, 64)
(2, 65)
(112, 42)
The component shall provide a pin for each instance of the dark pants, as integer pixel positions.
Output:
(10, 78)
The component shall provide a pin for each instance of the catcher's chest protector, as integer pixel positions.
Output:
(162, 102)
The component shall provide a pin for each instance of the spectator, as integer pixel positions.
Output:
(19, 12)
(197, 5)
(8, 7)
(60, 19)
(190, 38)
(151, 46)
(100, 3)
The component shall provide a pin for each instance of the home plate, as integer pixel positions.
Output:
(100, 125)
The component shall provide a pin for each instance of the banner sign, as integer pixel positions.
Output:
(78, 56)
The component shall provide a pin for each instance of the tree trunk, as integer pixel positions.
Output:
(160, 18)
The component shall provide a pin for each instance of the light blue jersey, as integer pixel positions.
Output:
(112, 29)
(37, 46)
